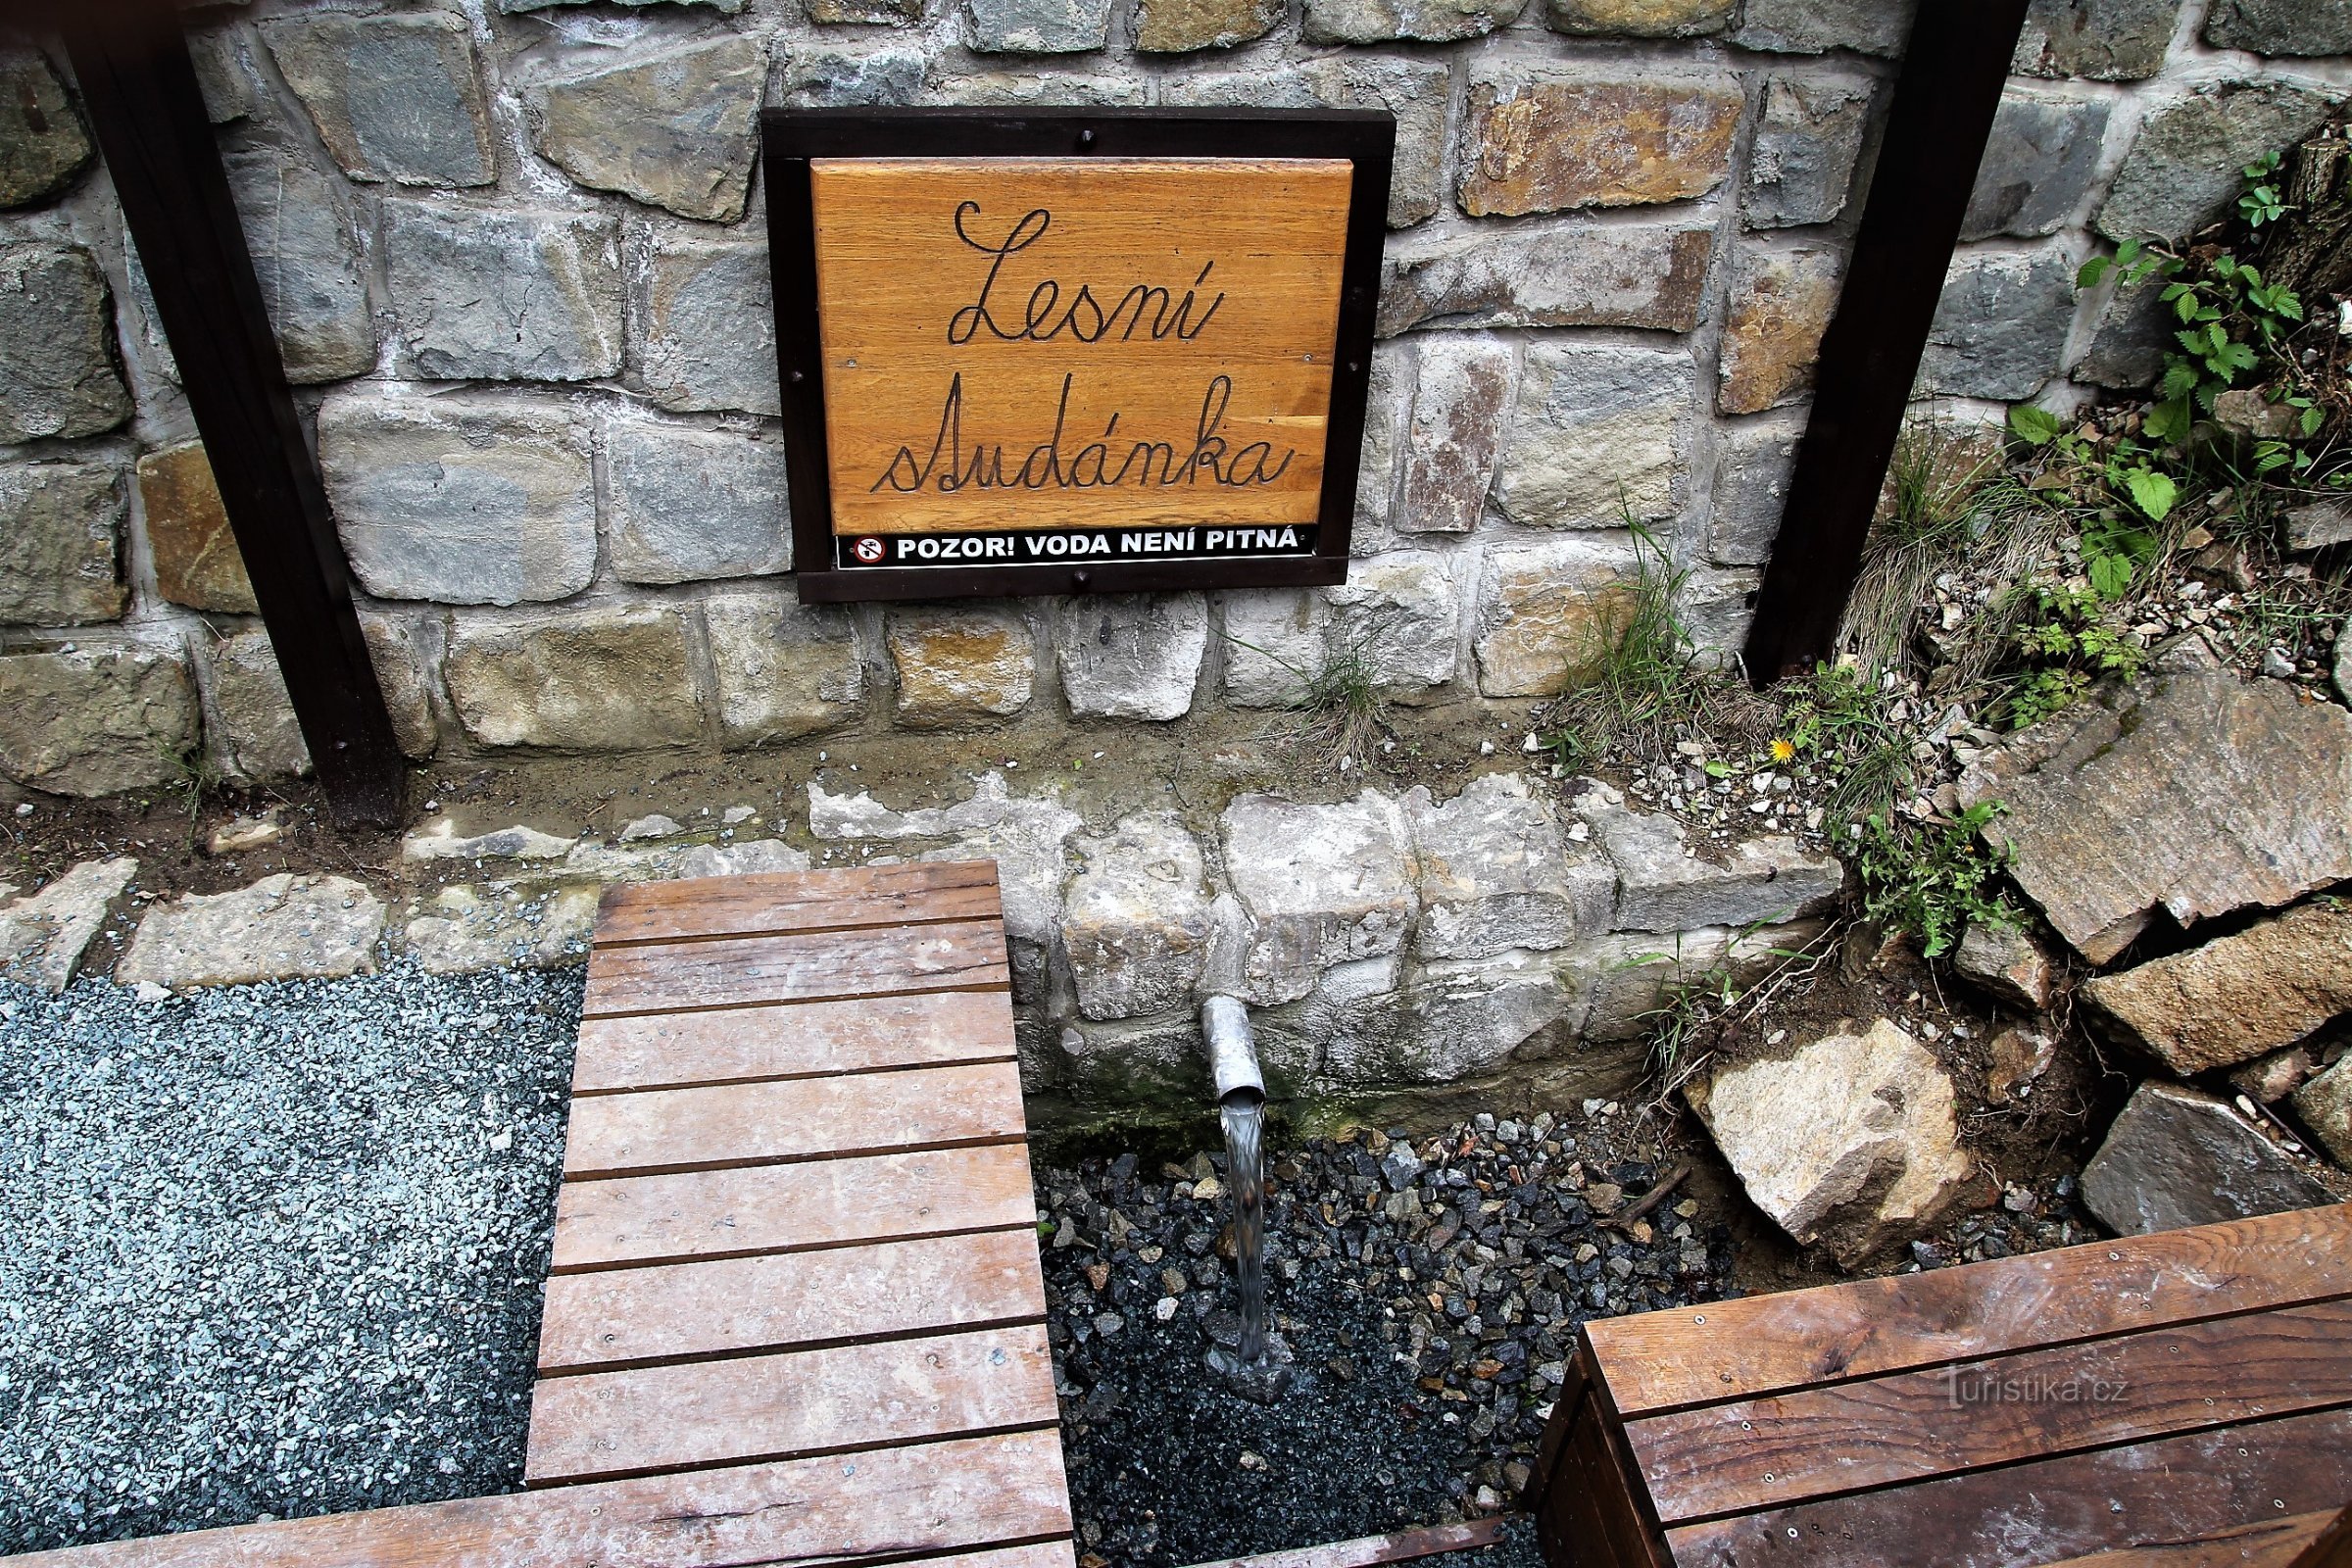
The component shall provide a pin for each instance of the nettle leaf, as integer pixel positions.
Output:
(2032, 425)
(2168, 421)
(2109, 575)
(2089, 272)
(2152, 492)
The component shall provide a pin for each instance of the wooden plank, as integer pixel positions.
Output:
(938, 1497)
(2171, 1489)
(793, 1039)
(1812, 1443)
(602, 1425)
(1404, 1545)
(689, 908)
(743, 1212)
(1037, 1555)
(795, 1118)
(797, 966)
(1762, 1343)
(2270, 1544)
(681, 1312)
(2331, 1547)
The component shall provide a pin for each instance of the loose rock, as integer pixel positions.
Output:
(43, 935)
(2176, 1158)
(2007, 963)
(280, 928)
(2238, 996)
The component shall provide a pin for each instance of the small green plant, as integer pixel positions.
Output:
(2064, 649)
(1934, 879)
(1339, 708)
(2261, 202)
(2115, 537)
(1842, 725)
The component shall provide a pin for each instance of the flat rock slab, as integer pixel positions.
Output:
(2194, 791)
(43, 935)
(466, 928)
(2177, 1158)
(2238, 996)
(283, 927)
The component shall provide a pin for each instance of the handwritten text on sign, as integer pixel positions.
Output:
(1051, 350)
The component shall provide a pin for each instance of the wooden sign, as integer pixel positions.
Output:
(1065, 355)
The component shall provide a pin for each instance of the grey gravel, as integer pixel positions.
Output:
(272, 1249)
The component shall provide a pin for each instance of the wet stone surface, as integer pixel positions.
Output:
(1427, 1290)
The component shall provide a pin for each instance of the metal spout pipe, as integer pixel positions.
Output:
(1231, 1048)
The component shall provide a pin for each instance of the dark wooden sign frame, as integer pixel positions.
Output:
(790, 138)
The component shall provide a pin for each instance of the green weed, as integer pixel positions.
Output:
(1933, 879)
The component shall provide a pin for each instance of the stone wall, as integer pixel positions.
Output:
(513, 252)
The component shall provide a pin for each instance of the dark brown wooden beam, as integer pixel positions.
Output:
(1945, 101)
(140, 91)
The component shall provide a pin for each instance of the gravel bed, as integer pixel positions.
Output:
(271, 1250)
(1427, 1291)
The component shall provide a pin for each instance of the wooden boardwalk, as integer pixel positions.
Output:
(796, 1313)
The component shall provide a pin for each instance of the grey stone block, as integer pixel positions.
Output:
(1135, 921)
(1376, 460)
(1809, 130)
(2000, 327)
(785, 669)
(2105, 40)
(61, 526)
(863, 12)
(1131, 656)
(1020, 89)
(1448, 1021)
(702, 324)
(688, 504)
(1038, 26)
(2128, 348)
(2177, 1158)
(1618, 274)
(1416, 92)
(724, 7)
(1600, 437)
(306, 257)
(1752, 488)
(845, 78)
(1495, 872)
(1321, 885)
(250, 726)
(57, 345)
(397, 649)
(592, 680)
(282, 927)
(2039, 165)
(1422, 20)
(2183, 169)
(1545, 611)
(1811, 27)
(460, 499)
(1400, 616)
(675, 128)
(394, 97)
(232, 86)
(97, 719)
(42, 143)
(1716, 606)
(1461, 405)
(517, 294)
(1274, 644)
(1660, 889)
(2282, 27)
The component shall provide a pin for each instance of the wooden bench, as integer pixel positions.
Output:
(2181, 1399)
(796, 1313)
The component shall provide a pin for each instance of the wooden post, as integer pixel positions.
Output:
(1945, 101)
(141, 90)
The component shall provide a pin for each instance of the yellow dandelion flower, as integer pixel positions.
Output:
(1782, 750)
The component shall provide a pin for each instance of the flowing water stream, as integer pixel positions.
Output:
(1245, 1117)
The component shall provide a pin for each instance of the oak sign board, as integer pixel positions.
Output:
(1076, 351)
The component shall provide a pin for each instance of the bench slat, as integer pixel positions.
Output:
(635, 1220)
(602, 1425)
(790, 1040)
(794, 1118)
(2174, 1488)
(797, 966)
(1765, 1343)
(693, 907)
(2270, 1545)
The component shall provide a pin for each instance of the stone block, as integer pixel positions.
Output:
(1716, 606)
(43, 142)
(863, 12)
(1753, 465)
(2317, 525)
(463, 500)
(2177, 1158)
(282, 927)
(2326, 1106)
(2238, 996)
(1546, 612)
(440, 841)
(1650, 275)
(1548, 140)
(1600, 437)
(1030, 843)
(2006, 964)
(724, 7)
(1131, 656)
(843, 78)
(1416, 92)
(1177, 26)
(2183, 169)
(1628, 977)
(43, 935)
(466, 929)
(250, 726)
(2000, 327)
(1135, 922)
(1639, 19)
(1385, 397)
(1461, 405)
(862, 816)
(1036, 26)
(1321, 885)
(702, 323)
(2277, 28)
(2105, 40)
(227, 75)
(61, 526)
(1495, 872)
(306, 257)
(397, 649)
(395, 98)
(1813, 26)
(521, 294)
(1450, 1021)
(1781, 300)
(1399, 617)
(1809, 130)
(58, 375)
(1420, 21)
(2126, 348)
(1274, 644)
(1021, 90)
(96, 720)
(676, 127)
(1665, 884)
(188, 537)
(960, 665)
(2039, 165)
(590, 680)
(785, 669)
(1120, 1066)
(686, 504)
